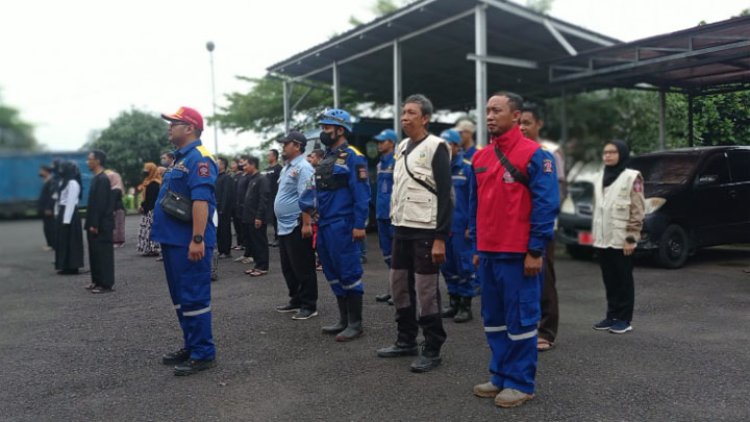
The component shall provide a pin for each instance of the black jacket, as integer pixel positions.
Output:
(241, 184)
(152, 192)
(225, 194)
(46, 203)
(101, 206)
(256, 199)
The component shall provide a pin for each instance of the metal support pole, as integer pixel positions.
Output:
(397, 88)
(286, 106)
(335, 70)
(662, 119)
(210, 47)
(691, 129)
(480, 49)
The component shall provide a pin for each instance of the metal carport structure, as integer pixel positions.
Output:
(442, 48)
(704, 60)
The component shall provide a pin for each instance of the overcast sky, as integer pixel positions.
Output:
(71, 66)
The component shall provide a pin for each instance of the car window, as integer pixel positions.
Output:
(672, 169)
(715, 172)
(739, 165)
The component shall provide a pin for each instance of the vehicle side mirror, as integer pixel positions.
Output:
(708, 179)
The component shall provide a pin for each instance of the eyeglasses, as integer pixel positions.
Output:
(173, 124)
(610, 152)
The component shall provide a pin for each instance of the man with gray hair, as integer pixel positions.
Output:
(421, 211)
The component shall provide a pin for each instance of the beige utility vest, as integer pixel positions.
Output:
(412, 205)
(612, 210)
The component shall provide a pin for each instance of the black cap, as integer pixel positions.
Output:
(294, 136)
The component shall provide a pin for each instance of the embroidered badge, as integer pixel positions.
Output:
(203, 170)
(507, 177)
(547, 166)
(638, 186)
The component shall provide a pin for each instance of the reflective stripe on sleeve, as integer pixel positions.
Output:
(198, 312)
(351, 286)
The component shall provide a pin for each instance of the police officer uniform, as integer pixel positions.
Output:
(383, 202)
(458, 269)
(343, 196)
(193, 175)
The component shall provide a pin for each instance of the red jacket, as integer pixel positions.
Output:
(503, 205)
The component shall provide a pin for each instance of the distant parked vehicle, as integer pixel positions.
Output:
(695, 198)
(20, 184)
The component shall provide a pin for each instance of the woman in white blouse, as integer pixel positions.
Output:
(69, 247)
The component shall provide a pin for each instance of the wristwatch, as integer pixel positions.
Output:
(198, 238)
(534, 253)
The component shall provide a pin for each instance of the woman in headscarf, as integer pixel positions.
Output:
(118, 190)
(149, 190)
(618, 220)
(69, 238)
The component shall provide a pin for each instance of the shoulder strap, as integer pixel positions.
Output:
(511, 169)
(421, 182)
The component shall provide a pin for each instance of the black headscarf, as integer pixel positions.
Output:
(611, 173)
(69, 171)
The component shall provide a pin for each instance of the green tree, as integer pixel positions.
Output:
(131, 139)
(15, 133)
(541, 6)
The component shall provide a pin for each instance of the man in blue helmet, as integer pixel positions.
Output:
(458, 269)
(343, 196)
(386, 142)
(188, 238)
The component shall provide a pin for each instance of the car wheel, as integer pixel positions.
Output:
(584, 253)
(674, 247)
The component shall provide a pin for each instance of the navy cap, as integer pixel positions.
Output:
(294, 136)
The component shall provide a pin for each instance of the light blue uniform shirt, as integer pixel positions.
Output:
(296, 181)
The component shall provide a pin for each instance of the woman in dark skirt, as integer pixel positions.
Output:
(149, 191)
(69, 238)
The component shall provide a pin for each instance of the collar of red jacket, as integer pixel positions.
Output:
(507, 140)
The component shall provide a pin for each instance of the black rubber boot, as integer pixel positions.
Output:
(343, 319)
(452, 308)
(354, 328)
(464, 310)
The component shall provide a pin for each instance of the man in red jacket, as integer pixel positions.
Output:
(513, 205)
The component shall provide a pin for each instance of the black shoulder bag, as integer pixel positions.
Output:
(517, 175)
(421, 182)
(177, 205)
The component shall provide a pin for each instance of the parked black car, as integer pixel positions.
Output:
(695, 198)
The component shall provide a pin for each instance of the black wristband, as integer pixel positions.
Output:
(535, 253)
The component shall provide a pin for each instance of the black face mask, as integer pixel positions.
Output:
(240, 167)
(326, 139)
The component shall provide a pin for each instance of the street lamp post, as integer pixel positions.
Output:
(210, 47)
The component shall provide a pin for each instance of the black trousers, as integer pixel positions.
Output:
(617, 272)
(298, 266)
(224, 234)
(49, 230)
(239, 228)
(258, 245)
(550, 310)
(246, 238)
(101, 258)
(415, 285)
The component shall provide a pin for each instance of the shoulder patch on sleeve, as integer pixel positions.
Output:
(203, 170)
(638, 185)
(547, 165)
(361, 171)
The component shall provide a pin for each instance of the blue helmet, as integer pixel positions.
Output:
(336, 117)
(387, 135)
(452, 136)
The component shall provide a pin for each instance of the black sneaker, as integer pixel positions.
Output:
(175, 358)
(305, 314)
(285, 309)
(427, 361)
(193, 366)
(604, 324)
(398, 350)
(385, 297)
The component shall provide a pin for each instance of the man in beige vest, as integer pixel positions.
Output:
(421, 211)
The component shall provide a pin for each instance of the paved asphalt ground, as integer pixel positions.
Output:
(72, 356)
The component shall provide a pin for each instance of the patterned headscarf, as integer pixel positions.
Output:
(115, 181)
